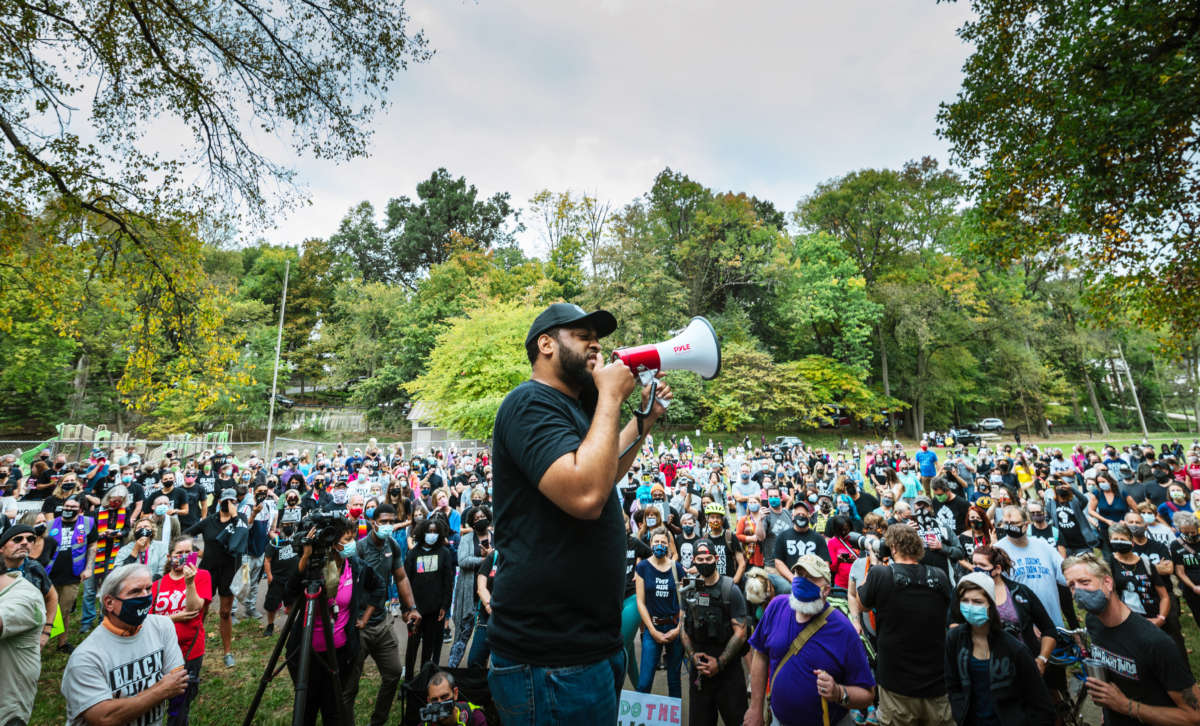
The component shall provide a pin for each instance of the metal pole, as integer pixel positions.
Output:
(1133, 389)
(275, 375)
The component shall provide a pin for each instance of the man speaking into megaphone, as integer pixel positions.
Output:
(555, 627)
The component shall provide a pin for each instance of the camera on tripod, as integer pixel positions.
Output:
(329, 527)
(436, 711)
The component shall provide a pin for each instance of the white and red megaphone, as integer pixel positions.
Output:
(694, 349)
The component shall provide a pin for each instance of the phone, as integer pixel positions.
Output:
(192, 559)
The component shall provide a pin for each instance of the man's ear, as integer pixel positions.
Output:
(546, 344)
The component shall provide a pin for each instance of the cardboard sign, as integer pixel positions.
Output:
(647, 709)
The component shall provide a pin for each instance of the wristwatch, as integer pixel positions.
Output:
(845, 699)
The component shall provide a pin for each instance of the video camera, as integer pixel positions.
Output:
(436, 711)
(328, 526)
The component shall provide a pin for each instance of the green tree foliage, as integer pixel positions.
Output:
(476, 362)
(1081, 120)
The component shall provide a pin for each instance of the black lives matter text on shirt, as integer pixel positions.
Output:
(130, 679)
(1141, 660)
(558, 591)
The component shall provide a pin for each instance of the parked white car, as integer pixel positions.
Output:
(991, 424)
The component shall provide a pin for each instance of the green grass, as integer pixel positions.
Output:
(225, 693)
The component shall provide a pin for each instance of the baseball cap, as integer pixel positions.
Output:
(567, 314)
(703, 546)
(229, 495)
(13, 531)
(812, 566)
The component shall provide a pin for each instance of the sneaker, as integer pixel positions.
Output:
(447, 637)
(872, 717)
(66, 648)
(269, 630)
(229, 660)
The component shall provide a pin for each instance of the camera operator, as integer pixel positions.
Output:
(218, 528)
(942, 547)
(349, 588)
(382, 554)
(443, 707)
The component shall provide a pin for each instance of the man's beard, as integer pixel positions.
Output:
(574, 370)
(807, 609)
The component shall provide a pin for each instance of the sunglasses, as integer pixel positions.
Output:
(23, 538)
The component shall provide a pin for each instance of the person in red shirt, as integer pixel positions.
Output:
(184, 594)
(1193, 472)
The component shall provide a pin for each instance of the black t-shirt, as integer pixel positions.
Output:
(1070, 534)
(51, 504)
(1156, 492)
(193, 495)
(726, 547)
(1047, 533)
(1153, 550)
(284, 558)
(223, 484)
(1188, 557)
(210, 528)
(62, 573)
(635, 549)
(790, 545)
(952, 513)
(910, 603)
(383, 557)
(568, 622)
(686, 548)
(865, 504)
(1141, 660)
(206, 481)
(1137, 585)
(177, 496)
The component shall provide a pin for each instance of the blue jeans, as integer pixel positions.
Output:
(650, 652)
(462, 634)
(480, 651)
(526, 694)
(630, 620)
(88, 618)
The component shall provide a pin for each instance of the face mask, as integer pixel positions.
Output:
(800, 522)
(395, 491)
(774, 502)
(126, 479)
(1121, 547)
(69, 514)
(481, 526)
(1148, 518)
(651, 521)
(752, 506)
(812, 498)
(659, 550)
(476, 502)
(1179, 497)
(1093, 601)
(1038, 517)
(134, 610)
(804, 590)
(1137, 531)
(161, 510)
(431, 538)
(143, 533)
(339, 496)
(974, 614)
(355, 512)
(941, 497)
(985, 570)
(705, 569)
(1015, 531)
(688, 529)
(1105, 486)
(976, 524)
(349, 548)
(887, 502)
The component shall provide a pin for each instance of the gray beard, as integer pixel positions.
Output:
(807, 609)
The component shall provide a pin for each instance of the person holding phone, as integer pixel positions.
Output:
(183, 594)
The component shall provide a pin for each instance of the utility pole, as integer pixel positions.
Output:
(275, 375)
(1133, 389)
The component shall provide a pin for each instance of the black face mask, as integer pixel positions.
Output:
(481, 526)
(800, 522)
(1013, 530)
(395, 491)
(1121, 547)
(143, 533)
(976, 524)
(705, 569)
(70, 514)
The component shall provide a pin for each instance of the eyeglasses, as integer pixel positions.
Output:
(23, 538)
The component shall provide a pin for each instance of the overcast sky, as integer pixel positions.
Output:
(769, 97)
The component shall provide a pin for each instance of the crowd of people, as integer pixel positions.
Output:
(787, 584)
(875, 585)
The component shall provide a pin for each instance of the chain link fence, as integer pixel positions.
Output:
(285, 443)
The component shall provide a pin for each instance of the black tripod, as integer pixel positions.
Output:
(314, 604)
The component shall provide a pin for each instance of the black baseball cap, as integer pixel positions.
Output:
(568, 315)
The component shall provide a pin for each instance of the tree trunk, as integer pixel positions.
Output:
(1091, 389)
(887, 384)
(918, 417)
(1137, 404)
(79, 384)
